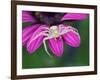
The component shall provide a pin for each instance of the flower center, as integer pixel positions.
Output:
(54, 31)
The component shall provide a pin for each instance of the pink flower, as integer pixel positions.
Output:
(33, 36)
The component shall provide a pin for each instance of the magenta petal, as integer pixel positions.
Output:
(74, 16)
(27, 17)
(56, 46)
(27, 32)
(34, 45)
(72, 38)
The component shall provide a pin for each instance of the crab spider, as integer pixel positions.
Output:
(57, 32)
(53, 32)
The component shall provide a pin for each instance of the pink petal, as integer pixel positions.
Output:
(27, 17)
(27, 32)
(74, 16)
(72, 38)
(56, 46)
(33, 45)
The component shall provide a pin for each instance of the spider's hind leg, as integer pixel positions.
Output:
(45, 46)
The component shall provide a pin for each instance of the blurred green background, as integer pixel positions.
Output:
(71, 56)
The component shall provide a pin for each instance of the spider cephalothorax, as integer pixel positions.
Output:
(54, 31)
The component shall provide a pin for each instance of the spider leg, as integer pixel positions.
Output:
(68, 27)
(64, 30)
(43, 33)
(45, 46)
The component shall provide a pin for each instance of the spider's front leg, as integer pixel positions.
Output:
(64, 30)
(42, 33)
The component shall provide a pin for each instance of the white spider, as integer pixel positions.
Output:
(54, 32)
